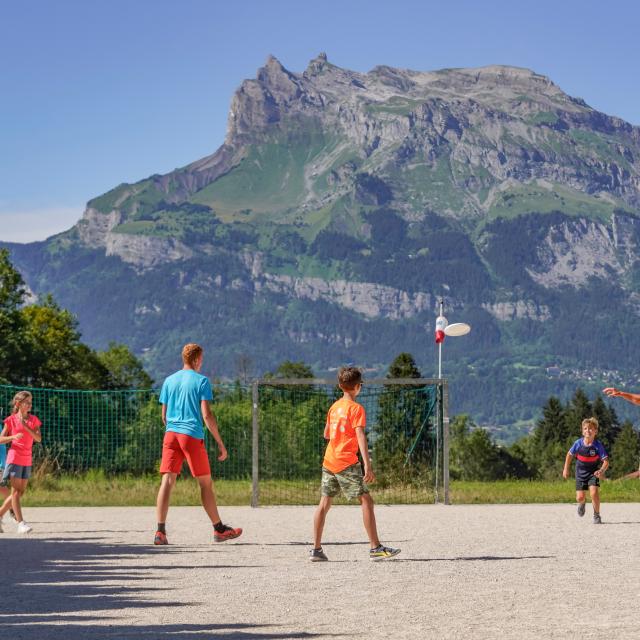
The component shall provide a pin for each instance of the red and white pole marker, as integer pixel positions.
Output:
(441, 325)
(443, 329)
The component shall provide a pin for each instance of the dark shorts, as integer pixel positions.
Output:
(350, 481)
(16, 472)
(583, 483)
(176, 447)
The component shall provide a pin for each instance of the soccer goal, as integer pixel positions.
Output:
(407, 433)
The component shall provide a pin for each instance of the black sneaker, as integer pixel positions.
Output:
(597, 519)
(317, 555)
(581, 508)
(382, 553)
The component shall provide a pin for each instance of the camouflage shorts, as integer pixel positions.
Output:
(349, 480)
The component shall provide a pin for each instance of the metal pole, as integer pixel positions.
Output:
(445, 444)
(438, 407)
(255, 496)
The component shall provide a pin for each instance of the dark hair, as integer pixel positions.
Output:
(349, 377)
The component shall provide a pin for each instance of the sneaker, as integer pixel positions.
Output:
(160, 538)
(382, 553)
(12, 516)
(581, 508)
(23, 527)
(229, 533)
(317, 555)
(597, 519)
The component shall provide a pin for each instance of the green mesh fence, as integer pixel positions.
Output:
(122, 431)
(273, 433)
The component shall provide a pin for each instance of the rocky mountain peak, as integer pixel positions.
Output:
(317, 65)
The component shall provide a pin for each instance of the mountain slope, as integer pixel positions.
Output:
(342, 204)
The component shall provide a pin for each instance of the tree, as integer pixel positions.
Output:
(551, 428)
(472, 454)
(609, 425)
(13, 347)
(579, 408)
(404, 443)
(124, 370)
(403, 366)
(289, 369)
(40, 345)
(624, 453)
(244, 367)
(57, 358)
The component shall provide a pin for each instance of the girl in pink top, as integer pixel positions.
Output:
(22, 429)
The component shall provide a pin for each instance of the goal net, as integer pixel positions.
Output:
(406, 433)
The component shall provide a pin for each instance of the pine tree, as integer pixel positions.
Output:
(624, 452)
(403, 366)
(609, 425)
(579, 408)
(13, 346)
(404, 443)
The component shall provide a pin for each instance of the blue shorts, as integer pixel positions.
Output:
(584, 482)
(16, 472)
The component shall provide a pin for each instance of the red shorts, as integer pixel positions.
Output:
(178, 446)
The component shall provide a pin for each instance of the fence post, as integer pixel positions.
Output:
(255, 496)
(445, 441)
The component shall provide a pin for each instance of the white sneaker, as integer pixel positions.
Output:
(1, 529)
(23, 527)
(12, 516)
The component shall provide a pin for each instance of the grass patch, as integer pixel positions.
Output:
(96, 489)
(539, 198)
(532, 492)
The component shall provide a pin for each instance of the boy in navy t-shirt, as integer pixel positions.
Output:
(589, 453)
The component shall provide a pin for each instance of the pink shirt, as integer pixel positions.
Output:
(20, 452)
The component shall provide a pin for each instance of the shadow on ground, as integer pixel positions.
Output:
(73, 590)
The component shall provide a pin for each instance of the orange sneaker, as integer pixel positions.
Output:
(160, 538)
(229, 533)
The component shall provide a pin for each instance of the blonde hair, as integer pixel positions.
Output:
(190, 353)
(590, 421)
(19, 398)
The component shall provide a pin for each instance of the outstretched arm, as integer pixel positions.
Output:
(212, 424)
(612, 392)
(633, 474)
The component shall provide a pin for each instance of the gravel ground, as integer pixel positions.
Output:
(522, 571)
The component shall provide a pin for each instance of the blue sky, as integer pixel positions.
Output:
(95, 93)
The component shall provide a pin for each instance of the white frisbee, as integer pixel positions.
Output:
(457, 329)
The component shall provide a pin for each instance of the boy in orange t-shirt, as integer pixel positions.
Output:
(341, 470)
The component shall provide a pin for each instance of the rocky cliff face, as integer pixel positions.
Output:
(343, 204)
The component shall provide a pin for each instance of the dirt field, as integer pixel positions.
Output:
(526, 571)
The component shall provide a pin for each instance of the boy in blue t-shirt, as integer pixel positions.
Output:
(589, 453)
(185, 400)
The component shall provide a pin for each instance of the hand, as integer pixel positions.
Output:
(565, 473)
(223, 453)
(599, 473)
(369, 476)
(18, 436)
(611, 391)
